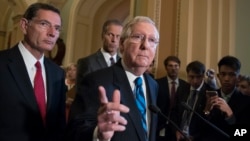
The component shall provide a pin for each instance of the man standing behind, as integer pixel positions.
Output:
(32, 87)
(230, 108)
(195, 98)
(111, 103)
(107, 55)
(170, 88)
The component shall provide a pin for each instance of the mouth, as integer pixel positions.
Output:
(49, 42)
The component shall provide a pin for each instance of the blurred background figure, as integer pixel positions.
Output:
(171, 90)
(70, 82)
(210, 78)
(244, 84)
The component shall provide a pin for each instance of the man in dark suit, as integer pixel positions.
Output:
(229, 109)
(111, 32)
(195, 97)
(166, 101)
(28, 114)
(115, 115)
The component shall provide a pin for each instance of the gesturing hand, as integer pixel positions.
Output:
(109, 118)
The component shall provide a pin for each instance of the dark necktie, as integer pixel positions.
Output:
(140, 102)
(40, 91)
(112, 61)
(187, 115)
(172, 94)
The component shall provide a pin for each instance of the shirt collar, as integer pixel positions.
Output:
(28, 58)
(107, 55)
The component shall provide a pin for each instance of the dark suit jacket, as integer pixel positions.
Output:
(91, 63)
(197, 124)
(83, 114)
(19, 114)
(163, 102)
(240, 105)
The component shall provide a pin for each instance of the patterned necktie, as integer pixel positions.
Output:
(40, 91)
(112, 61)
(140, 102)
(172, 95)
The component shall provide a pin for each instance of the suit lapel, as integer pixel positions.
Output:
(20, 74)
(49, 82)
(126, 96)
(101, 60)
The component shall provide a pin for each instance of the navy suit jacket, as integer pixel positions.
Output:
(91, 63)
(83, 114)
(19, 114)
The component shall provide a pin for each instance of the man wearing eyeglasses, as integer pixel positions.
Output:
(111, 103)
(105, 56)
(230, 108)
(32, 97)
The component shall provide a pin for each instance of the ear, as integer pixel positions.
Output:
(24, 25)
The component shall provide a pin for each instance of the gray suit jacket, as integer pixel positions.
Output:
(83, 115)
(91, 63)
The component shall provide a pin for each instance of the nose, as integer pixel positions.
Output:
(52, 32)
(145, 43)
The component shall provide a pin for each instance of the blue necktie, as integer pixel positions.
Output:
(140, 102)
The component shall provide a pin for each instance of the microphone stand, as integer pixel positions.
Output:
(206, 121)
(157, 110)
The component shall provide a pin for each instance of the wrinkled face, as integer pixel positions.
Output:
(172, 69)
(228, 78)
(139, 49)
(111, 38)
(42, 32)
(194, 79)
(244, 87)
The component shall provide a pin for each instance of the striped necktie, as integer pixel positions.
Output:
(140, 102)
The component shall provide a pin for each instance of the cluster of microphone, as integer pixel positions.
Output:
(157, 110)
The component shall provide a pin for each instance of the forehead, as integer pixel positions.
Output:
(172, 63)
(193, 74)
(48, 15)
(145, 28)
(225, 68)
(114, 28)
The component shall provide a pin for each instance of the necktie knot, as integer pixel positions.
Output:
(38, 65)
(112, 61)
(173, 83)
(138, 81)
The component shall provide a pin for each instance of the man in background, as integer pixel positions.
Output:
(195, 98)
(105, 56)
(230, 108)
(171, 88)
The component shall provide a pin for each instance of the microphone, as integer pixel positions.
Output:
(157, 110)
(186, 106)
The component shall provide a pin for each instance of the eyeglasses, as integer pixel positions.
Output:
(46, 25)
(139, 38)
